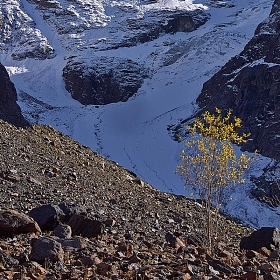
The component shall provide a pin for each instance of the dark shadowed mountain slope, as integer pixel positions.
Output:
(250, 85)
(9, 110)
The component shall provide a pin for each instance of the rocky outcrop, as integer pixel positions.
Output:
(9, 109)
(129, 22)
(156, 23)
(250, 85)
(103, 80)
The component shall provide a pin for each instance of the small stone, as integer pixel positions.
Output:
(275, 255)
(7, 261)
(264, 251)
(271, 276)
(87, 261)
(251, 254)
(171, 221)
(34, 181)
(186, 276)
(109, 222)
(103, 268)
(174, 241)
(266, 267)
(62, 231)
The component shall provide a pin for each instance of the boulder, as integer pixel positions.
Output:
(86, 227)
(73, 243)
(47, 216)
(70, 209)
(13, 222)
(46, 248)
(268, 237)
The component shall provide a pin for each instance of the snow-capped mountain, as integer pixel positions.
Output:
(135, 68)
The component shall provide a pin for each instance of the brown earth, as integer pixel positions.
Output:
(147, 234)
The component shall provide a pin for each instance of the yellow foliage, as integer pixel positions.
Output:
(210, 165)
(213, 156)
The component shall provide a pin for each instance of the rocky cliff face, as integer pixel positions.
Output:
(250, 85)
(103, 80)
(9, 110)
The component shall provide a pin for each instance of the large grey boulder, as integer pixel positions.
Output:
(46, 248)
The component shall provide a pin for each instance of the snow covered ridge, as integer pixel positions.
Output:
(19, 34)
(81, 24)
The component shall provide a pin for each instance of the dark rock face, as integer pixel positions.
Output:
(250, 85)
(267, 190)
(103, 80)
(155, 24)
(180, 23)
(265, 237)
(9, 109)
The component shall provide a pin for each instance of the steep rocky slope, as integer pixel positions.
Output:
(9, 110)
(249, 85)
(146, 234)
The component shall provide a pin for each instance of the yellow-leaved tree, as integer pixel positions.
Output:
(210, 166)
